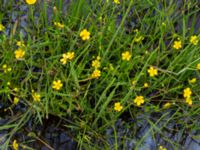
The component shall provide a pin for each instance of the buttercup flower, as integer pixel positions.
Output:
(167, 105)
(20, 44)
(177, 44)
(187, 92)
(96, 63)
(66, 57)
(36, 96)
(1, 27)
(152, 71)
(6, 68)
(16, 101)
(146, 85)
(59, 25)
(139, 100)
(19, 54)
(194, 40)
(118, 106)
(15, 145)
(126, 56)
(193, 80)
(85, 35)
(198, 66)
(116, 1)
(162, 148)
(30, 2)
(96, 73)
(188, 100)
(57, 84)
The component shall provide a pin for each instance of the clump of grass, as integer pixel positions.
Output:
(95, 62)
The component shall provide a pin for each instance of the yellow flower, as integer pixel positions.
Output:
(116, 1)
(188, 100)
(1, 27)
(16, 101)
(15, 145)
(152, 71)
(67, 56)
(20, 44)
(96, 73)
(57, 84)
(19, 54)
(6, 68)
(96, 64)
(16, 89)
(36, 97)
(118, 106)
(167, 105)
(139, 100)
(138, 38)
(187, 92)
(30, 2)
(8, 83)
(146, 85)
(177, 44)
(162, 148)
(126, 56)
(198, 66)
(193, 80)
(85, 35)
(194, 40)
(59, 25)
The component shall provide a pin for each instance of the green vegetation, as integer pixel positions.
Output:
(92, 63)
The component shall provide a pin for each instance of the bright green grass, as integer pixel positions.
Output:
(89, 103)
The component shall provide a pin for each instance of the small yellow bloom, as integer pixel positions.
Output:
(20, 44)
(126, 56)
(116, 1)
(85, 35)
(96, 64)
(96, 73)
(67, 56)
(15, 145)
(193, 80)
(167, 105)
(138, 38)
(36, 97)
(139, 100)
(30, 2)
(177, 44)
(133, 82)
(187, 92)
(8, 83)
(57, 84)
(59, 25)
(162, 148)
(1, 27)
(146, 85)
(188, 100)
(118, 107)
(16, 101)
(19, 54)
(6, 68)
(198, 66)
(16, 89)
(152, 71)
(194, 40)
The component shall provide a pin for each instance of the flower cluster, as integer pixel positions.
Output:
(66, 57)
(59, 25)
(6, 68)
(187, 95)
(194, 40)
(20, 52)
(96, 64)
